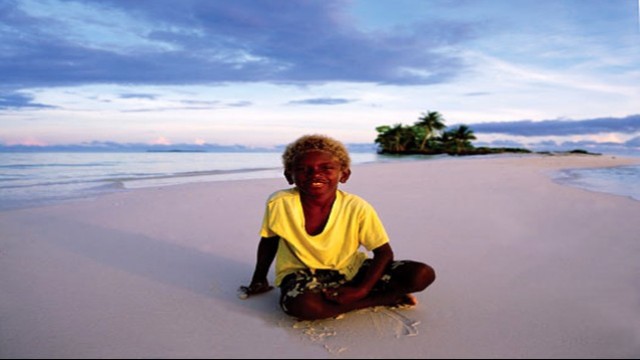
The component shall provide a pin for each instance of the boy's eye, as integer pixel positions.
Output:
(323, 168)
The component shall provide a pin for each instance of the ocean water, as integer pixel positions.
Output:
(621, 180)
(34, 179)
(40, 178)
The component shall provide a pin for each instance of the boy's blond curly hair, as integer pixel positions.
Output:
(315, 142)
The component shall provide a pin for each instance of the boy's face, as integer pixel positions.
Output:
(317, 172)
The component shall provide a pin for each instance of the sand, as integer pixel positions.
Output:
(526, 268)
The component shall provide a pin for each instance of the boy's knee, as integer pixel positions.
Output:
(425, 276)
(304, 307)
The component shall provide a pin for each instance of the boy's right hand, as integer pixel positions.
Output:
(253, 289)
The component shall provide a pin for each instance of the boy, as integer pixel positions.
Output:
(314, 232)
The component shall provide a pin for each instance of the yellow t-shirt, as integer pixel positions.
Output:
(352, 222)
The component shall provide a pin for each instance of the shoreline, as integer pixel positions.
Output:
(526, 268)
(111, 185)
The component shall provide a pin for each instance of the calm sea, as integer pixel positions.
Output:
(34, 179)
(622, 180)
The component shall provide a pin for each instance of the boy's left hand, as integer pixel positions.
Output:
(253, 289)
(344, 294)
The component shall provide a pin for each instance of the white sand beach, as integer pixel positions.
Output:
(527, 268)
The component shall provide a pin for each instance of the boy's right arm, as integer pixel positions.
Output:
(267, 249)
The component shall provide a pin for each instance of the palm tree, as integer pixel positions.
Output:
(395, 139)
(383, 139)
(461, 137)
(432, 122)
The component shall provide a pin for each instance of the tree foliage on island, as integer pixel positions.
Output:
(428, 135)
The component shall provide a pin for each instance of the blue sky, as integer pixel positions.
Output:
(260, 73)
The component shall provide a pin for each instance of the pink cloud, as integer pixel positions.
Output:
(29, 141)
(161, 140)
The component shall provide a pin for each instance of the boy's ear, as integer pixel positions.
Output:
(345, 175)
(287, 175)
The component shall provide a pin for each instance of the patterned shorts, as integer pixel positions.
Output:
(301, 281)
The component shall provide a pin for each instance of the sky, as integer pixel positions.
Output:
(262, 73)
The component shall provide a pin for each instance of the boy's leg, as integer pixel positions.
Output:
(301, 298)
(405, 277)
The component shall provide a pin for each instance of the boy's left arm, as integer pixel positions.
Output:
(267, 249)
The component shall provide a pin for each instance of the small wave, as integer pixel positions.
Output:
(187, 174)
(200, 176)
(108, 186)
(620, 180)
(37, 184)
(56, 165)
(11, 178)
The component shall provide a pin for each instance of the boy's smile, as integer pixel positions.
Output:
(318, 173)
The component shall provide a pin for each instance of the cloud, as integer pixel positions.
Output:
(16, 100)
(29, 142)
(477, 93)
(161, 140)
(506, 143)
(183, 105)
(190, 42)
(627, 125)
(635, 142)
(628, 147)
(241, 103)
(138, 96)
(321, 101)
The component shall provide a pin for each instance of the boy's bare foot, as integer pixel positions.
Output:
(407, 301)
